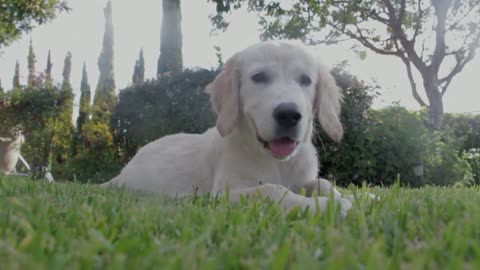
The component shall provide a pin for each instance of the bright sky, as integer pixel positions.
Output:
(137, 25)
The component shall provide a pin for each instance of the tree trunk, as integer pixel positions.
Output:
(435, 108)
(170, 59)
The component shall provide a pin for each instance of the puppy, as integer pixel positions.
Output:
(266, 99)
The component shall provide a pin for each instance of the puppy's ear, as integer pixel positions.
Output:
(224, 96)
(327, 105)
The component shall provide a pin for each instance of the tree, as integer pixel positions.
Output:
(139, 69)
(105, 98)
(170, 59)
(48, 71)
(63, 125)
(66, 85)
(414, 31)
(16, 76)
(20, 16)
(67, 70)
(31, 66)
(85, 96)
(98, 151)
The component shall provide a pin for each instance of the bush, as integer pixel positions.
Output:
(145, 112)
(380, 145)
(35, 111)
(472, 156)
(168, 105)
(95, 160)
(29, 109)
(343, 160)
(395, 141)
(466, 129)
(92, 166)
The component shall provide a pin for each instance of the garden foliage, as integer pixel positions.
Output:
(379, 146)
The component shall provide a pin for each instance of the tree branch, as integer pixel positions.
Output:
(331, 38)
(374, 15)
(417, 26)
(453, 25)
(401, 13)
(411, 79)
(423, 48)
(412, 82)
(461, 61)
(399, 34)
(363, 40)
(390, 9)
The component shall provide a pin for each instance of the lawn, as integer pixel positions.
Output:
(78, 226)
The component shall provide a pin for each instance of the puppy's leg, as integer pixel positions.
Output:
(319, 187)
(287, 199)
(323, 186)
(110, 184)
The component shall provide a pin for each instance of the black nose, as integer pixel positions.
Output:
(287, 115)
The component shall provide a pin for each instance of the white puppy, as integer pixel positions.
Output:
(266, 99)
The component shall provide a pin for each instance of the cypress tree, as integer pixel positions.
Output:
(139, 70)
(170, 59)
(67, 87)
(63, 126)
(85, 96)
(48, 71)
(105, 98)
(16, 76)
(67, 70)
(31, 66)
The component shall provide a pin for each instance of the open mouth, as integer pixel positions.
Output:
(280, 147)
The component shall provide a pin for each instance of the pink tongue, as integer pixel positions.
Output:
(282, 147)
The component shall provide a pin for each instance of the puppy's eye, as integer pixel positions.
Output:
(260, 77)
(304, 80)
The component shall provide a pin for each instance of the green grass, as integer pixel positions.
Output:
(74, 226)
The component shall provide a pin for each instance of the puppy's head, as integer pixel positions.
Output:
(275, 89)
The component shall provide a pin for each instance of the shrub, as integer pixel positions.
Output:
(343, 160)
(472, 156)
(394, 142)
(145, 112)
(95, 159)
(93, 166)
(443, 160)
(380, 145)
(35, 111)
(397, 142)
(168, 105)
(466, 128)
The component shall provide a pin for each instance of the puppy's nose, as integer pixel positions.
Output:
(287, 115)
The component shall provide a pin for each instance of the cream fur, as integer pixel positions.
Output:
(230, 155)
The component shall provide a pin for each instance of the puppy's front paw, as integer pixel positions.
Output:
(345, 206)
(357, 196)
(321, 204)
